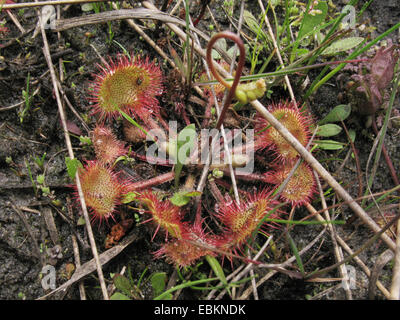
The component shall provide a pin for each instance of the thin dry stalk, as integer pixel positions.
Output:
(75, 247)
(71, 107)
(228, 277)
(176, 7)
(337, 250)
(366, 245)
(19, 103)
(385, 153)
(46, 52)
(16, 22)
(379, 264)
(136, 13)
(226, 147)
(357, 160)
(325, 292)
(148, 39)
(45, 3)
(253, 281)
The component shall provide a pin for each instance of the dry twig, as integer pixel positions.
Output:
(337, 250)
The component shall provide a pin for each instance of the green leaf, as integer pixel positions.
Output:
(219, 272)
(342, 45)
(120, 158)
(182, 286)
(313, 19)
(85, 140)
(329, 130)
(329, 145)
(337, 114)
(222, 45)
(122, 284)
(296, 253)
(119, 296)
(129, 197)
(81, 221)
(72, 166)
(251, 22)
(85, 7)
(231, 51)
(193, 194)
(45, 190)
(352, 135)
(301, 52)
(184, 145)
(129, 118)
(40, 179)
(158, 281)
(182, 198)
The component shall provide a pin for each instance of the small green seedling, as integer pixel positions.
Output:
(40, 161)
(27, 99)
(72, 166)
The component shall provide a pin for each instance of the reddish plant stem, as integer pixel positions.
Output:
(355, 152)
(184, 115)
(163, 123)
(247, 176)
(386, 155)
(207, 113)
(197, 222)
(215, 191)
(232, 89)
(157, 161)
(152, 123)
(145, 184)
(203, 10)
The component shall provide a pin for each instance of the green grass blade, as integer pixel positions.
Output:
(183, 286)
(217, 268)
(127, 117)
(296, 253)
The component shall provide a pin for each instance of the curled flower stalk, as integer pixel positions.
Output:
(232, 87)
(128, 84)
(244, 93)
